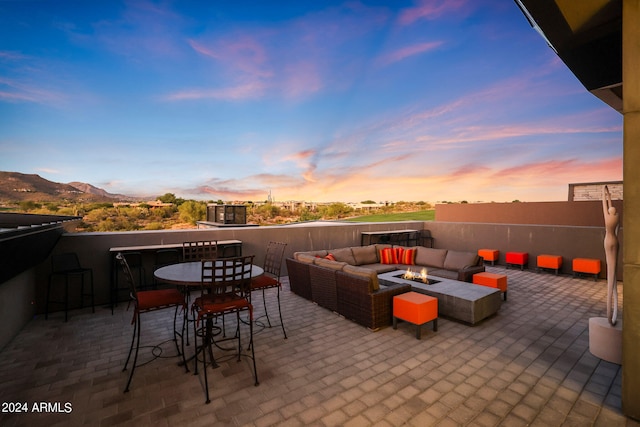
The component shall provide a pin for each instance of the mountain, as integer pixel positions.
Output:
(18, 187)
(90, 189)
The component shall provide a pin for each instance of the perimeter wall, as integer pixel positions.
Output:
(569, 229)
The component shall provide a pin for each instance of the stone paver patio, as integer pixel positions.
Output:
(528, 365)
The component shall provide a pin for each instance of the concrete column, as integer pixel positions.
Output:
(631, 220)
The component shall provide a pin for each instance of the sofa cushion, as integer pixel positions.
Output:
(365, 254)
(407, 256)
(343, 255)
(380, 268)
(374, 285)
(430, 257)
(389, 256)
(379, 247)
(321, 253)
(457, 260)
(441, 272)
(306, 258)
(334, 265)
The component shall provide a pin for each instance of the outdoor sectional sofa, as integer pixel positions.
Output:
(345, 280)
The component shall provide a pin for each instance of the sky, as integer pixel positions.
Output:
(233, 100)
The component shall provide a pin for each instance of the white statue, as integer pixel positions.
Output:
(611, 245)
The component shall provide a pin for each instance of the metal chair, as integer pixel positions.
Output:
(271, 278)
(134, 260)
(164, 257)
(226, 289)
(426, 239)
(198, 251)
(146, 302)
(67, 265)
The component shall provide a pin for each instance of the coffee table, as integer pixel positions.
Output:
(457, 300)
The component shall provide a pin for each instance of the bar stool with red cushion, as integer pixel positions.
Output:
(271, 277)
(146, 302)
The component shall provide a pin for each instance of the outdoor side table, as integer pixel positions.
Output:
(492, 280)
(415, 308)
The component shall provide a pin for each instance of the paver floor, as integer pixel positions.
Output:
(527, 365)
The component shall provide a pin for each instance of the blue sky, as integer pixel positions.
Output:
(426, 100)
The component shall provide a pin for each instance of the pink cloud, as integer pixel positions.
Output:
(239, 54)
(429, 9)
(19, 91)
(235, 93)
(301, 79)
(9, 55)
(567, 170)
(408, 51)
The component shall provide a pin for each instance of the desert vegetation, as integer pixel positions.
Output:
(177, 213)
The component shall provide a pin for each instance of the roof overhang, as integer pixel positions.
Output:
(587, 36)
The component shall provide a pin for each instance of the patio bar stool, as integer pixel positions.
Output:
(68, 266)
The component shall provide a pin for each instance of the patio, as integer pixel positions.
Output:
(528, 365)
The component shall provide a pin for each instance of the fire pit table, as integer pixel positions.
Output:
(456, 300)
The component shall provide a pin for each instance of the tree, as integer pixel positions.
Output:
(192, 211)
(167, 198)
(335, 210)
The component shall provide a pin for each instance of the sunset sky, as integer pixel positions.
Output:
(432, 100)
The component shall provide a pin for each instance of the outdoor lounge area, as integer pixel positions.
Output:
(527, 365)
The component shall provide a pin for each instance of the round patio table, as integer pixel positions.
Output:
(190, 273)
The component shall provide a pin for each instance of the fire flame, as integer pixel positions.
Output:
(411, 275)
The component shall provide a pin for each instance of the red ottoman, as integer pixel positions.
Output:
(415, 308)
(587, 265)
(517, 258)
(489, 255)
(492, 280)
(553, 262)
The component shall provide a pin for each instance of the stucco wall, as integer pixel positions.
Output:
(584, 213)
(569, 242)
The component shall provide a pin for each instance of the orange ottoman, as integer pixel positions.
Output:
(492, 280)
(587, 265)
(553, 262)
(490, 255)
(415, 308)
(517, 258)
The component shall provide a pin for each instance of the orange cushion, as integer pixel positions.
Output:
(264, 281)
(330, 257)
(517, 257)
(407, 256)
(550, 261)
(491, 280)
(586, 265)
(159, 299)
(389, 256)
(415, 308)
(489, 254)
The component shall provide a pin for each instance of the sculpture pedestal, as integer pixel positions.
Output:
(605, 341)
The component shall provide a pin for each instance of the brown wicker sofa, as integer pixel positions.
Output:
(348, 283)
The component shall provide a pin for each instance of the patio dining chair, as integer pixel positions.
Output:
(200, 250)
(225, 289)
(164, 257)
(271, 278)
(146, 302)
